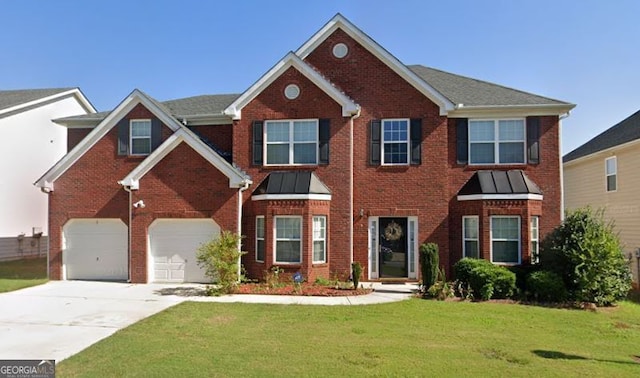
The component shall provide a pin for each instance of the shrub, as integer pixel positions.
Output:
(441, 289)
(586, 253)
(546, 286)
(220, 258)
(429, 264)
(522, 275)
(356, 271)
(484, 279)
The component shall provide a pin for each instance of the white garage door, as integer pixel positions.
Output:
(173, 244)
(95, 249)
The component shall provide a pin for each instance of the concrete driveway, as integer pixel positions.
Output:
(60, 318)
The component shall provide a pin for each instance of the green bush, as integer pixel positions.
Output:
(585, 251)
(356, 271)
(484, 279)
(220, 258)
(522, 275)
(546, 286)
(429, 264)
(441, 289)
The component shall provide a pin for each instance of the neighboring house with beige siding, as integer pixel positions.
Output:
(605, 173)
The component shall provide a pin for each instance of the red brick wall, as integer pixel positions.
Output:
(74, 136)
(90, 189)
(220, 135)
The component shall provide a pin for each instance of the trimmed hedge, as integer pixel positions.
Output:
(484, 279)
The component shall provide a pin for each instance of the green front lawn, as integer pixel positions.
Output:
(409, 338)
(19, 274)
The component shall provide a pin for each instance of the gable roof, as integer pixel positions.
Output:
(16, 101)
(349, 107)
(628, 130)
(159, 110)
(513, 184)
(340, 22)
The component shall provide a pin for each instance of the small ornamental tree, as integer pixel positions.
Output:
(429, 264)
(585, 251)
(220, 258)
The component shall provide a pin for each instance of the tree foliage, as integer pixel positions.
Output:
(220, 258)
(429, 264)
(586, 252)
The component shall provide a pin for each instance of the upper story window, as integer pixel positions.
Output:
(140, 136)
(611, 173)
(291, 142)
(499, 141)
(395, 141)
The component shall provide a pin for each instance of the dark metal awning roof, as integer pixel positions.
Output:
(499, 183)
(295, 182)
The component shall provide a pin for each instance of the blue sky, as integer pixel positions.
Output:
(586, 52)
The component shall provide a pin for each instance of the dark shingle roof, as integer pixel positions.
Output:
(499, 182)
(12, 98)
(190, 106)
(296, 182)
(472, 92)
(626, 131)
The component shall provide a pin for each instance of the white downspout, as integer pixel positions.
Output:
(128, 189)
(351, 170)
(560, 118)
(245, 186)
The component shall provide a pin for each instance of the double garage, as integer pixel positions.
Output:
(96, 249)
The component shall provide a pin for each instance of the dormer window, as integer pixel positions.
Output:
(140, 136)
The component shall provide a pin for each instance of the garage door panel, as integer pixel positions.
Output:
(173, 245)
(95, 249)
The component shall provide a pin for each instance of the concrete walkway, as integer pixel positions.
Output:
(60, 318)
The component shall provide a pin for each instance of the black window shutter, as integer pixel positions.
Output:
(533, 140)
(374, 142)
(323, 140)
(123, 137)
(462, 140)
(156, 133)
(257, 142)
(416, 141)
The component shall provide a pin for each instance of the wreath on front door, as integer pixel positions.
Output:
(393, 231)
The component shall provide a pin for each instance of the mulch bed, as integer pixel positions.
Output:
(304, 289)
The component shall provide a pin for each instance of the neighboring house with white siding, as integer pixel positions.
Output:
(29, 144)
(605, 173)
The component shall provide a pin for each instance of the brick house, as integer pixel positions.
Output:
(339, 153)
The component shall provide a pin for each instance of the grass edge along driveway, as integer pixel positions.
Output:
(409, 338)
(18, 274)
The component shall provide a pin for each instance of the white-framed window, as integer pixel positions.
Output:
(505, 240)
(470, 242)
(260, 247)
(500, 141)
(395, 141)
(288, 245)
(291, 142)
(611, 173)
(140, 136)
(534, 228)
(319, 239)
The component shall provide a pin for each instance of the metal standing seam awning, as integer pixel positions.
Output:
(513, 184)
(292, 185)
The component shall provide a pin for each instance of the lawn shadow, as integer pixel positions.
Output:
(183, 291)
(555, 355)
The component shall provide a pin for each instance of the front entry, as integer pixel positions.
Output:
(392, 246)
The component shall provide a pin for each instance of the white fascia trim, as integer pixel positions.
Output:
(132, 180)
(463, 111)
(234, 110)
(285, 197)
(136, 97)
(75, 92)
(340, 22)
(482, 197)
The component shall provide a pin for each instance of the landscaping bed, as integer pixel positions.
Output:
(303, 289)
